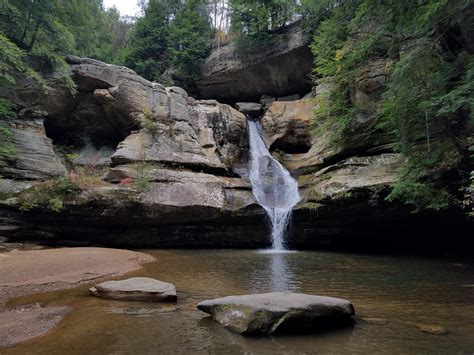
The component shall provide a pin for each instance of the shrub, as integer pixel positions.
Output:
(51, 195)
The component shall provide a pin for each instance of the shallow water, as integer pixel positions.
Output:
(397, 293)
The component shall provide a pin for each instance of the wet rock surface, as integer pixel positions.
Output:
(30, 271)
(279, 312)
(433, 329)
(136, 289)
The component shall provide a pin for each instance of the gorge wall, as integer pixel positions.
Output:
(278, 66)
(128, 162)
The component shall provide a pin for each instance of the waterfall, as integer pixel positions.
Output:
(272, 185)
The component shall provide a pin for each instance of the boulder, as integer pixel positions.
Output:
(278, 67)
(249, 108)
(433, 329)
(287, 126)
(278, 312)
(136, 289)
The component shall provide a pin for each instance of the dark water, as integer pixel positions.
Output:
(394, 294)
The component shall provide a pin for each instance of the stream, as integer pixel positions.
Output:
(392, 296)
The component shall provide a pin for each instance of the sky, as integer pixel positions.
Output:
(126, 7)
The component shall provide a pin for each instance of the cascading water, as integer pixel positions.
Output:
(272, 185)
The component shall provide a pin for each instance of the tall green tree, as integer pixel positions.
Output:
(190, 36)
(256, 17)
(170, 41)
(150, 41)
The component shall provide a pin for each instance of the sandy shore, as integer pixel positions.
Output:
(27, 272)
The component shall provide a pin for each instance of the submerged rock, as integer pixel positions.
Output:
(278, 312)
(433, 329)
(136, 289)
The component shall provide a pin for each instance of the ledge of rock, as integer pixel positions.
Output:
(278, 67)
(279, 312)
(136, 289)
(249, 108)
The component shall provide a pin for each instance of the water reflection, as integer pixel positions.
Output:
(403, 291)
(275, 273)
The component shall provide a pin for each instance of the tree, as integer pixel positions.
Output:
(170, 41)
(190, 35)
(257, 17)
(148, 53)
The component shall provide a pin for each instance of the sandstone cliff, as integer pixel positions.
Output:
(152, 166)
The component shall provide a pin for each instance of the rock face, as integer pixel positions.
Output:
(278, 67)
(157, 168)
(136, 289)
(278, 312)
(34, 155)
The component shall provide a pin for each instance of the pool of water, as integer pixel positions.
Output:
(392, 297)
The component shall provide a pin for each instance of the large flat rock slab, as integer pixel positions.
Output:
(136, 289)
(33, 271)
(66, 265)
(279, 312)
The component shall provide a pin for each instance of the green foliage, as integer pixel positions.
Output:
(150, 40)
(7, 111)
(416, 187)
(142, 184)
(190, 35)
(37, 34)
(255, 18)
(468, 202)
(51, 195)
(430, 85)
(170, 41)
(149, 122)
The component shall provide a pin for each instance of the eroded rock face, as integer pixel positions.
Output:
(136, 289)
(278, 67)
(173, 169)
(287, 125)
(206, 135)
(33, 157)
(352, 175)
(278, 312)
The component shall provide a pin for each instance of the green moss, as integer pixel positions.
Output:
(50, 195)
(428, 96)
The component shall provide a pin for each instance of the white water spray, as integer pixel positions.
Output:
(272, 185)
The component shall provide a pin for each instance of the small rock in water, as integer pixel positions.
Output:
(433, 329)
(279, 312)
(136, 289)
